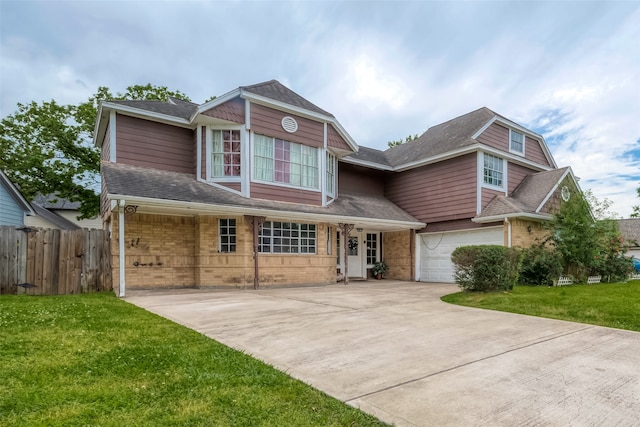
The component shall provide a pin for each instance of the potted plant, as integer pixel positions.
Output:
(378, 270)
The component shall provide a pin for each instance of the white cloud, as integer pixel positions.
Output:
(385, 70)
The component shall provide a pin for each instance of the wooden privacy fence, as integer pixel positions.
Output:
(54, 262)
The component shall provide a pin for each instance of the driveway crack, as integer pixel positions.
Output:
(442, 371)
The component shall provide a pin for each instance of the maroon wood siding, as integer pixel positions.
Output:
(488, 195)
(356, 179)
(105, 153)
(232, 111)
(335, 140)
(285, 194)
(457, 225)
(497, 136)
(533, 151)
(438, 192)
(516, 175)
(233, 185)
(267, 121)
(155, 145)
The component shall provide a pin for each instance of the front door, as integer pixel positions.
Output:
(355, 254)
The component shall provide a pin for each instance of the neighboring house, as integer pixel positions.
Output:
(630, 231)
(190, 191)
(14, 208)
(58, 213)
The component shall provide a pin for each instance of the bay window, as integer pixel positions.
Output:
(276, 160)
(331, 174)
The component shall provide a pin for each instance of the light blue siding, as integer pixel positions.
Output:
(10, 212)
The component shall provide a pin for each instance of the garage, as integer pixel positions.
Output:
(436, 249)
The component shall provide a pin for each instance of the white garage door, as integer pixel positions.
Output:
(436, 249)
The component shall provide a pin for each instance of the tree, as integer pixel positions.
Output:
(636, 209)
(587, 238)
(47, 147)
(400, 141)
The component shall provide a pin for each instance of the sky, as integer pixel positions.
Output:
(569, 70)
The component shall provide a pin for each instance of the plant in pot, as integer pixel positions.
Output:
(378, 270)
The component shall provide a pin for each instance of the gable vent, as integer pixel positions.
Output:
(289, 124)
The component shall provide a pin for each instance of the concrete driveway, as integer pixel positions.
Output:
(396, 351)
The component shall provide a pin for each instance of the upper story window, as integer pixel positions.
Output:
(225, 154)
(493, 170)
(285, 162)
(516, 142)
(331, 174)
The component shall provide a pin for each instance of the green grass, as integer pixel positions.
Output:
(615, 305)
(97, 360)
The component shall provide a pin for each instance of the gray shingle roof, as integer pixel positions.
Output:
(527, 196)
(54, 218)
(181, 109)
(450, 135)
(275, 90)
(630, 230)
(369, 155)
(136, 181)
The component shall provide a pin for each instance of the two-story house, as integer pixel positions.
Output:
(260, 187)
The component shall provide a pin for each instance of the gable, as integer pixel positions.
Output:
(553, 203)
(232, 110)
(268, 121)
(497, 136)
(334, 140)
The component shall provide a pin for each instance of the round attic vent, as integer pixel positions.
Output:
(566, 194)
(289, 124)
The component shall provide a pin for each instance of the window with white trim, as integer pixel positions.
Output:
(372, 248)
(225, 153)
(331, 174)
(287, 238)
(516, 142)
(276, 160)
(227, 234)
(493, 170)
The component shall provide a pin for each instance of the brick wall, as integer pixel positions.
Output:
(522, 237)
(174, 251)
(396, 249)
(159, 251)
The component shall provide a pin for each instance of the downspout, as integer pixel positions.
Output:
(508, 231)
(346, 231)
(255, 224)
(121, 257)
(412, 238)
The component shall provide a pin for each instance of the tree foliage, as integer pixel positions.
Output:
(400, 141)
(636, 208)
(587, 238)
(46, 147)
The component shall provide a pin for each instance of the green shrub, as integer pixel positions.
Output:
(486, 267)
(540, 265)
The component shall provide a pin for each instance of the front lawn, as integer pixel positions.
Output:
(96, 360)
(615, 305)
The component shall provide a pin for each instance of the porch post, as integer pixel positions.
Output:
(121, 259)
(255, 224)
(346, 230)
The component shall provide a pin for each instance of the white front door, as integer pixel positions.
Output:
(355, 255)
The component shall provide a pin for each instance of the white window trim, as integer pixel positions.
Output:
(315, 246)
(524, 139)
(220, 236)
(334, 159)
(319, 153)
(504, 174)
(209, 152)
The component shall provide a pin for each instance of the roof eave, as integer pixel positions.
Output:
(16, 194)
(193, 208)
(529, 215)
